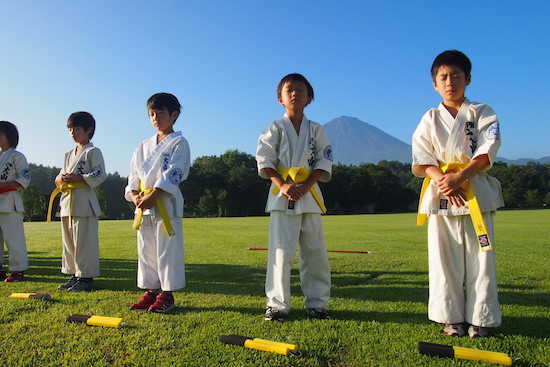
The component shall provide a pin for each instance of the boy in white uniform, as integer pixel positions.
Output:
(14, 175)
(294, 153)
(453, 146)
(83, 170)
(158, 166)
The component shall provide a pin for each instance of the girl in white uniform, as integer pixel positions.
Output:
(14, 175)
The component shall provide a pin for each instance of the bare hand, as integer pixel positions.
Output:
(449, 183)
(458, 198)
(293, 192)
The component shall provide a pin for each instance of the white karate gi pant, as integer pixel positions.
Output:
(160, 257)
(80, 247)
(457, 262)
(286, 232)
(13, 234)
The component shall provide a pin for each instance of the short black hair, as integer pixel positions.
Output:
(9, 129)
(82, 119)
(159, 101)
(290, 78)
(452, 58)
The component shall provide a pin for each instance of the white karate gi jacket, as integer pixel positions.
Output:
(440, 139)
(164, 165)
(88, 163)
(279, 145)
(13, 167)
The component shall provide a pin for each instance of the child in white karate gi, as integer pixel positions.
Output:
(159, 164)
(83, 170)
(14, 175)
(294, 153)
(452, 147)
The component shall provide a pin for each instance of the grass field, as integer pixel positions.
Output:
(378, 304)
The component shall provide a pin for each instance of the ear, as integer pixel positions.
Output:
(468, 79)
(280, 101)
(175, 115)
(309, 99)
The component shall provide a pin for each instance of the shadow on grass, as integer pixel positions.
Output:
(227, 279)
(299, 314)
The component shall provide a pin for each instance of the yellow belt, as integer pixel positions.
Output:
(160, 207)
(299, 175)
(65, 188)
(475, 212)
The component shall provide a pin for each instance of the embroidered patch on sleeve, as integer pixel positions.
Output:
(493, 132)
(96, 172)
(328, 153)
(26, 174)
(175, 175)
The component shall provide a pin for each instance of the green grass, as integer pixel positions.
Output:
(378, 304)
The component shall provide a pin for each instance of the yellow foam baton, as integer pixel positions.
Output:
(115, 322)
(446, 351)
(475, 212)
(299, 175)
(42, 296)
(261, 344)
(64, 188)
(160, 207)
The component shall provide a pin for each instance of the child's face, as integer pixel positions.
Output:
(79, 135)
(294, 96)
(451, 82)
(4, 143)
(163, 120)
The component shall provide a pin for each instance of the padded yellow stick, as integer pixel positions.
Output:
(42, 296)
(261, 344)
(440, 350)
(115, 322)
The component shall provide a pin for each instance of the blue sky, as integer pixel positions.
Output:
(224, 59)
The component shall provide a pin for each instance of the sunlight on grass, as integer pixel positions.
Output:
(378, 304)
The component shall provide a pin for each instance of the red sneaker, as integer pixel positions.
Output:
(163, 303)
(145, 301)
(15, 276)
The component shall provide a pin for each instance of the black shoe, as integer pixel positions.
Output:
(272, 314)
(68, 284)
(318, 313)
(82, 285)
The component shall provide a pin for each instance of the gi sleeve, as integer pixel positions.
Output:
(423, 153)
(488, 134)
(266, 152)
(133, 178)
(22, 172)
(97, 174)
(323, 154)
(175, 168)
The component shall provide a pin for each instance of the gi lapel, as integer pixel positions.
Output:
(457, 134)
(151, 161)
(74, 159)
(4, 158)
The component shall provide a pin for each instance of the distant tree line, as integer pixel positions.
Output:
(228, 185)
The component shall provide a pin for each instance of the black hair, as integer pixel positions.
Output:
(9, 129)
(452, 58)
(290, 78)
(159, 101)
(82, 119)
